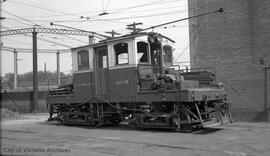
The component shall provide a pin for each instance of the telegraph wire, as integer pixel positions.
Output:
(35, 6)
(75, 39)
(138, 6)
(100, 20)
(122, 18)
(20, 17)
(93, 19)
(124, 8)
(104, 12)
(154, 9)
(29, 44)
(63, 35)
(29, 21)
(51, 10)
(82, 13)
(120, 9)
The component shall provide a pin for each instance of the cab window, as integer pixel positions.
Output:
(83, 59)
(142, 52)
(167, 55)
(121, 53)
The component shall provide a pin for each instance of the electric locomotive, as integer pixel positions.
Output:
(131, 79)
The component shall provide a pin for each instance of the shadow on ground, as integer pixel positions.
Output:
(202, 131)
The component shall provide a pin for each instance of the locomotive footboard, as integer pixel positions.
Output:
(185, 117)
(177, 116)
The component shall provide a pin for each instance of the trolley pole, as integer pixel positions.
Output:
(58, 68)
(35, 73)
(15, 69)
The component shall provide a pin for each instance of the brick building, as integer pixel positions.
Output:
(237, 44)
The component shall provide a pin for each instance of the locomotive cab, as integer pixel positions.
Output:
(160, 62)
(114, 69)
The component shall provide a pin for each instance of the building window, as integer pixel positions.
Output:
(121, 53)
(83, 60)
(142, 52)
(167, 55)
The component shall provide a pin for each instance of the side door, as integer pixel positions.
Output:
(101, 71)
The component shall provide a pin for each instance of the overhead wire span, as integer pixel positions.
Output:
(80, 13)
(119, 18)
(119, 9)
(138, 6)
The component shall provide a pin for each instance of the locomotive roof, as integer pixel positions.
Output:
(115, 39)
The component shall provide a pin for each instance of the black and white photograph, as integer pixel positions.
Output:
(135, 78)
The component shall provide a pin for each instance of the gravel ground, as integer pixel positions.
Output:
(33, 135)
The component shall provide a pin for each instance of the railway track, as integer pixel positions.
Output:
(82, 143)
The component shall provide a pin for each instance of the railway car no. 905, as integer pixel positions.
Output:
(132, 79)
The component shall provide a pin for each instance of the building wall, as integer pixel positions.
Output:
(236, 43)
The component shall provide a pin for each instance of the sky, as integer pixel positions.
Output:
(85, 14)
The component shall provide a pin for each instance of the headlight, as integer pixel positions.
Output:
(151, 38)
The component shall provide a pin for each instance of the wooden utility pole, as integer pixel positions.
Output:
(58, 68)
(45, 71)
(15, 69)
(133, 27)
(35, 73)
(113, 33)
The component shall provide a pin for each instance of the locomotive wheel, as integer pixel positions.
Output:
(99, 123)
(135, 122)
(50, 108)
(116, 122)
(186, 128)
(61, 117)
(177, 130)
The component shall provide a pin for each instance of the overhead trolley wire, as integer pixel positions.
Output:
(24, 19)
(81, 13)
(116, 10)
(138, 6)
(42, 8)
(120, 18)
